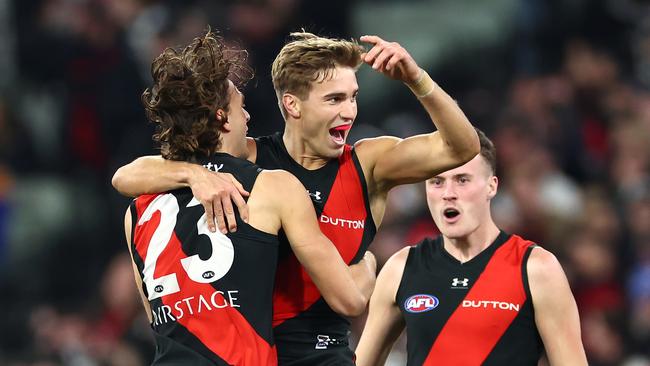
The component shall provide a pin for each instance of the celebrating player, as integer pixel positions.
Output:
(475, 295)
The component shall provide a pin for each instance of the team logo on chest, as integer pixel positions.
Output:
(420, 303)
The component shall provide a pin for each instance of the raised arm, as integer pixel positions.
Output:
(394, 161)
(385, 323)
(215, 191)
(345, 289)
(556, 313)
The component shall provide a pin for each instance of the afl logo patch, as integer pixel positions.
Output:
(420, 303)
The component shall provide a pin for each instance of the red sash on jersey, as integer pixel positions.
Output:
(225, 332)
(340, 221)
(468, 338)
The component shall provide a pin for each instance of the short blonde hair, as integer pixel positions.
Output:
(308, 58)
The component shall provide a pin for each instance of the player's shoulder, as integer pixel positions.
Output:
(279, 176)
(540, 257)
(543, 266)
(549, 286)
(395, 264)
(390, 276)
(280, 183)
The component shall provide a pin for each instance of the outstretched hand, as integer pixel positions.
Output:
(391, 59)
(217, 192)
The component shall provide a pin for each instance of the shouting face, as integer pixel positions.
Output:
(327, 114)
(459, 199)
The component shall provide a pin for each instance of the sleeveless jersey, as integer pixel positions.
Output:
(210, 293)
(474, 313)
(340, 196)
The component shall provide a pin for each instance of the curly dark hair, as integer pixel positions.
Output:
(188, 88)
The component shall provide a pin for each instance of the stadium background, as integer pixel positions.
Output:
(560, 86)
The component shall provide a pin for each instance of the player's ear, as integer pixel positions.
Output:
(291, 104)
(493, 185)
(221, 116)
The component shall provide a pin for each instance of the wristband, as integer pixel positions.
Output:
(423, 86)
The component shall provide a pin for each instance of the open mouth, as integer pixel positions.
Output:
(450, 213)
(338, 133)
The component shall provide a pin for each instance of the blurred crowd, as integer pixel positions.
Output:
(565, 96)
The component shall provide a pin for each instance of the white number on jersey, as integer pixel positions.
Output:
(203, 271)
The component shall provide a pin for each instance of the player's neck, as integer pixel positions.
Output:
(468, 247)
(230, 147)
(300, 151)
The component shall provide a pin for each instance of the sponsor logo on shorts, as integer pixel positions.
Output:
(420, 303)
(322, 341)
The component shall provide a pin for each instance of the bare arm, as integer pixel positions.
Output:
(346, 290)
(215, 191)
(152, 174)
(364, 274)
(136, 274)
(556, 313)
(385, 322)
(395, 161)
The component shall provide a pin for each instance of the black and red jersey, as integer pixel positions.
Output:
(340, 196)
(475, 313)
(210, 294)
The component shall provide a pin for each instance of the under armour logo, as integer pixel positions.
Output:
(457, 282)
(315, 195)
(213, 167)
(322, 341)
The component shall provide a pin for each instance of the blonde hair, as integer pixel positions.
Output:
(308, 58)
